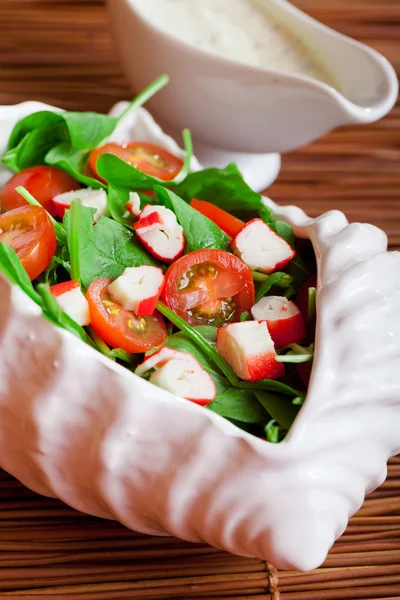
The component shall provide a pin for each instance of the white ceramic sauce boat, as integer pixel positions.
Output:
(248, 109)
(79, 427)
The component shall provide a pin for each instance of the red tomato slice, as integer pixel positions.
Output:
(121, 328)
(42, 182)
(209, 287)
(228, 223)
(29, 231)
(148, 158)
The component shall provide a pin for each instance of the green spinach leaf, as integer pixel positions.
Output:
(33, 148)
(65, 157)
(79, 225)
(299, 272)
(34, 138)
(119, 173)
(87, 129)
(38, 120)
(280, 408)
(200, 232)
(239, 405)
(270, 385)
(105, 249)
(117, 198)
(279, 279)
(225, 188)
(208, 332)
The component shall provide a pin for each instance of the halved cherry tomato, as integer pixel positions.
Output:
(209, 287)
(225, 221)
(42, 182)
(148, 158)
(29, 231)
(121, 328)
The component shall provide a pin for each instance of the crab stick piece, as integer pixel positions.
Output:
(248, 348)
(160, 232)
(284, 320)
(70, 298)
(261, 248)
(87, 197)
(179, 373)
(133, 204)
(138, 289)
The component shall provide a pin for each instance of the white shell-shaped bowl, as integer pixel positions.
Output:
(78, 427)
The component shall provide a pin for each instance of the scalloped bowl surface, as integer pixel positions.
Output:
(81, 428)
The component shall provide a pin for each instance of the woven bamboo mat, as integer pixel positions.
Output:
(61, 52)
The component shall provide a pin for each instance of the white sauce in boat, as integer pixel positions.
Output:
(237, 29)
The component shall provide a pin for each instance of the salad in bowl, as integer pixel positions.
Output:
(185, 278)
(172, 325)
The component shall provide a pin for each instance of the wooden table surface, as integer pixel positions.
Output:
(61, 52)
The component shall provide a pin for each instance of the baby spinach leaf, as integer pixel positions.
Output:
(65, 157)
(105, 249)
(200, 231)
(271, 386)
(225, 188)
(239, 405)
(243, 426)
(87, 129)
(283, 229)
(11, 267)
(280, 408)
(119, 173)
(61, 258)
(34, 137)
(208, 332)
(33, 148)
(78, 228)
(39, 120)
(278, 279)
(299, 272)
(117, 198)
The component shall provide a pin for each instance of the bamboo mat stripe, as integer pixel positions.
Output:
(81, 557)
(61, 52)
